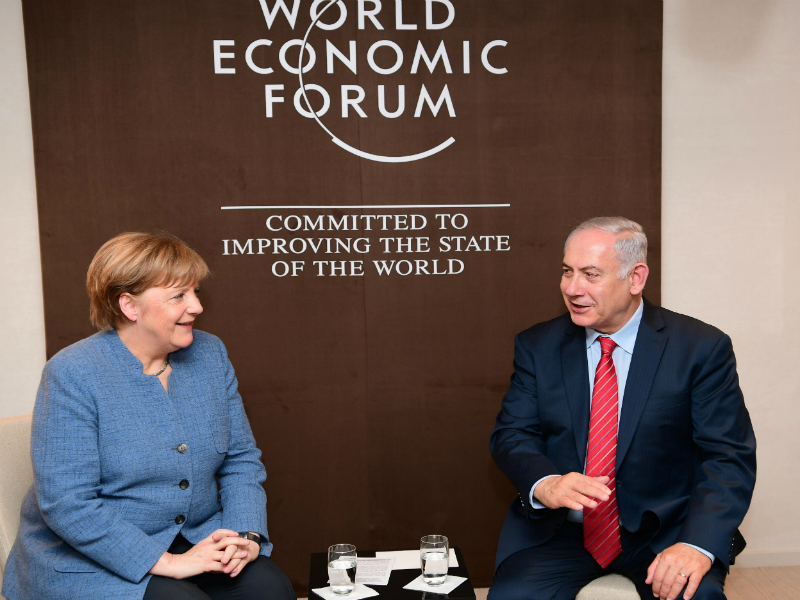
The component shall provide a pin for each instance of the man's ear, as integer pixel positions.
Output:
(127, 305)
(639, 278)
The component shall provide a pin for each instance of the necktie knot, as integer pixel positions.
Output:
(607, 345)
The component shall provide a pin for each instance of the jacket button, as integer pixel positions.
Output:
(180, 520)
(184, 484)
(182, 448)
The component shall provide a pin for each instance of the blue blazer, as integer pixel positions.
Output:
(109, 458)
(686, 451)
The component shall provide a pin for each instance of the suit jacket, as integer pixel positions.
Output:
(686, 462)
(109, 463)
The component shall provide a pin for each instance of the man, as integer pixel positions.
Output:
(625, 433)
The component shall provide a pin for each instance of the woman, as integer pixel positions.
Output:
(147, 479)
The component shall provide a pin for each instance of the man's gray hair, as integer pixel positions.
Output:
(631, 244)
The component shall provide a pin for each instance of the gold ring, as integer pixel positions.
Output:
(682, 575)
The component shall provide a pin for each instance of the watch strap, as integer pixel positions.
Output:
(254, 537)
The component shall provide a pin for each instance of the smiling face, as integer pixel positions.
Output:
(162, 317)
(592, 290)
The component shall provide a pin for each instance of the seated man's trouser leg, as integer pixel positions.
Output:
(559, 568)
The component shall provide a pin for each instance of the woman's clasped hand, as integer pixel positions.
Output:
(221, 552)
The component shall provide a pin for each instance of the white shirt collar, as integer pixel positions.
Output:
(625, 338)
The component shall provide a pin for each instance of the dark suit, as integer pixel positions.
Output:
(685, 452)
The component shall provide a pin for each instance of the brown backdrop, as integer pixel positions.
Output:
(372, 397)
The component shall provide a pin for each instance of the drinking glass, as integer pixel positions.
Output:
(342, 568)
(434, 557)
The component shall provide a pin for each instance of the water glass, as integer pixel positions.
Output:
(342, 568)
(434, 557)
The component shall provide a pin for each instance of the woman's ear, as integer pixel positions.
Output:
(127, 304)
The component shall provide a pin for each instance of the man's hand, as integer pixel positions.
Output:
(675, 567)
(232, 558)
(204, 557)
(572, 490)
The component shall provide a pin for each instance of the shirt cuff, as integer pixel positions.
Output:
(708, 554)
(535, 504)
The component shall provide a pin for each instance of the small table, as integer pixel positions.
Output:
(318, 578)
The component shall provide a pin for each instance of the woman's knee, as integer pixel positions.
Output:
(164, 588)
(267, 575)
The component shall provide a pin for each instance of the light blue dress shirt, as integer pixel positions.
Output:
(625, 339)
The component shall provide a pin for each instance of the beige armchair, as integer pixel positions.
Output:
(16, 477)
(609, 587)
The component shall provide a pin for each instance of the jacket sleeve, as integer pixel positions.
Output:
(67, 476)
(516, 442)
(726, 455)
(242, 475)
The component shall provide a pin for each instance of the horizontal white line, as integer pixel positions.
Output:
(358, 206)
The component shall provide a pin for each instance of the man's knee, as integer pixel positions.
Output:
(519, 590)
(524, 576)
(709, 589)
(507, 589)
(712, 585)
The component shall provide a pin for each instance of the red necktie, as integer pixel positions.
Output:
(601, 524)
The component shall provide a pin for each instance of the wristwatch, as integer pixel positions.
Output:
(253, 537)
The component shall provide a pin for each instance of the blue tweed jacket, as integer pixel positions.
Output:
(108, 458)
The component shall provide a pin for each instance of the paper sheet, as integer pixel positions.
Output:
(374, 571)
(409, 559)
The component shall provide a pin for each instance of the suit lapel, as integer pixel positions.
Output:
(574, 369)
(650, 343)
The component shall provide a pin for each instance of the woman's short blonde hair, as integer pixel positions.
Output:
(133, 262)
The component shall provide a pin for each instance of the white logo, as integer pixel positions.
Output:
(344, 145)
(303, 105)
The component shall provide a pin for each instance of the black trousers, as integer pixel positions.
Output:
(559, 568)
(262, 579)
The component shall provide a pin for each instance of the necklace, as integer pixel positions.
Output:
(164, 368)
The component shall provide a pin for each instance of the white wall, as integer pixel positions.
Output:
(22, 351)
(731, 223)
